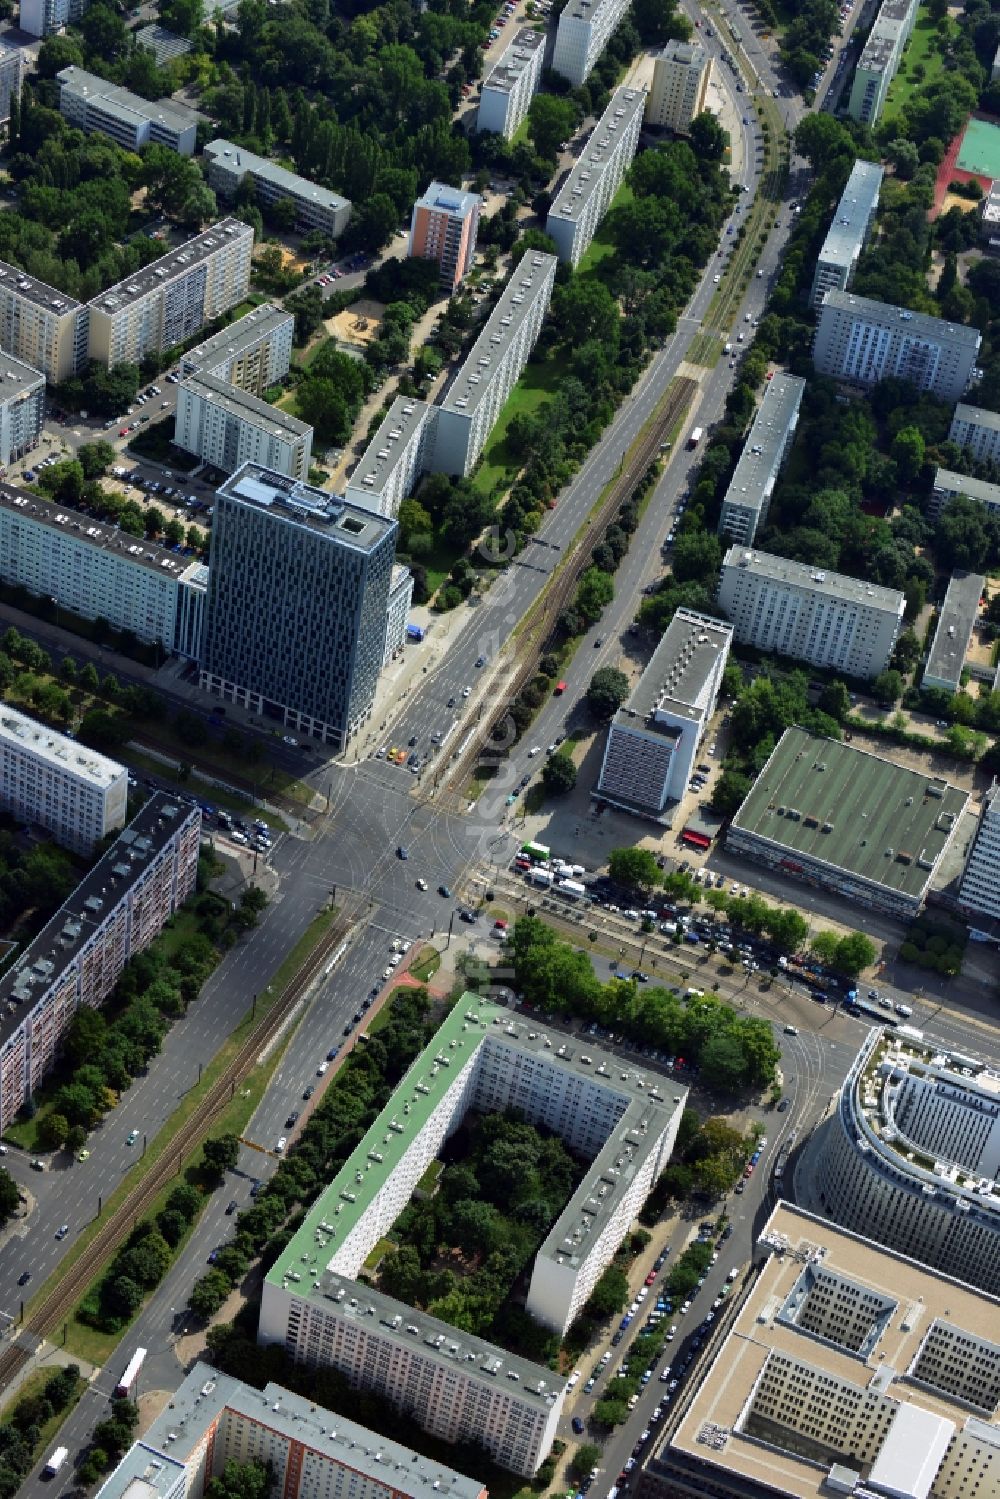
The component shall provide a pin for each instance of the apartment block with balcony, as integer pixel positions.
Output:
(97, 571)
(40, 326)
(315, 207)
(587, 193)
(91, 103)
(172, 298)
(214, 1419)
(22, 408)
(848, 234)
(864, 341)
(681, 75)
(512, 83)
(11, 72)
(79, 955)
(748, 499)
(654, 738)
(44, 17)
(46, 778)
(979, 892)
(828, 619)
(444, 227)
(977, 431)
(394, 460)
(879, 60)
(455, 1385)
(227, 427)
(585, 27)
(474, 400)
(253, 353)
(948, 485)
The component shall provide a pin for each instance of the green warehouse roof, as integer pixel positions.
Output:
(852, 811)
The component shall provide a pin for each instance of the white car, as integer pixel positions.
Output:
(321, 1069)
(466, 691)
(282, 1142)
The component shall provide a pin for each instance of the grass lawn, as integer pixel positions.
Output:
(31, 1386)
(602, 245)
(86, 1341)
(925, 49)
(539, 382)
(427, 964)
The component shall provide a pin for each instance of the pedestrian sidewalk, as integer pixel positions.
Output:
(46, 1356)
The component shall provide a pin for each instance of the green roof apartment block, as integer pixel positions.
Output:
(455, 1385)
(846, 820)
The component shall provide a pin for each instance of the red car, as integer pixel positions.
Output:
(123, 432)
(748, 1172)
(651, 1277)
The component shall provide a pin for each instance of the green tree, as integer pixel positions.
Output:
(607, 691)
(559, 775)
(887, 688)
(221, 1154)
(907, 452)
(550, 120)
(208, 1294)
(610, 1294)
(95, 458)
(586, 1457)
(52, 1131)
(8, 1196)
(241, 1481)
(635, 868)
(321, 404)
(697, 556)
(729, 793)
(594, 591)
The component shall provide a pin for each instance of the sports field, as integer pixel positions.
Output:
(980, 149)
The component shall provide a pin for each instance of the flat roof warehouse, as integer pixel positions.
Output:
(849, 810)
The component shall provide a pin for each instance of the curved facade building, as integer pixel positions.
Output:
(912, 1156)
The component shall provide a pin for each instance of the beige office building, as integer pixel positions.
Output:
(847, 1370)
(681, 76)
(171, 299)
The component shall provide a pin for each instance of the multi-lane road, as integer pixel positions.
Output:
(373, 810)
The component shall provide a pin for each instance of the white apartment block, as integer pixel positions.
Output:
(979, 892)
(848, 234)
(879, 59)
(43, 17)
(957, 620)
(91, 103)
(78, 956)
(587, 193)
(214, 1419)
(396, 610)
(315, 207)
(681, 75)
(97, 571)
(845, 1367)
(476, 396)
(253, 353)
(977, 431)
(40, 326)
(948, 484)
(172, 298)
(452, 1384)
(828, 619)
(394, 460)
(864, 341)
(22, 408)
(748, 498)
(46, 778)
(227, 427)
(512, 83)
(911, 1156)
(585, 27)
(11, 69)
(654, 737)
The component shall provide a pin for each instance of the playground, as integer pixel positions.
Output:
(974, 153)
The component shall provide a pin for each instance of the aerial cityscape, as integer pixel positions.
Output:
(499, 749)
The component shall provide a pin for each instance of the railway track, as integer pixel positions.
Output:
(55, 1306)
(539, 630)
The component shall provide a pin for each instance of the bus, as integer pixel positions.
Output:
(127, 1382)
(537, 851)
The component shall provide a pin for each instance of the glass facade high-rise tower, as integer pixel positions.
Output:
(295, 618)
